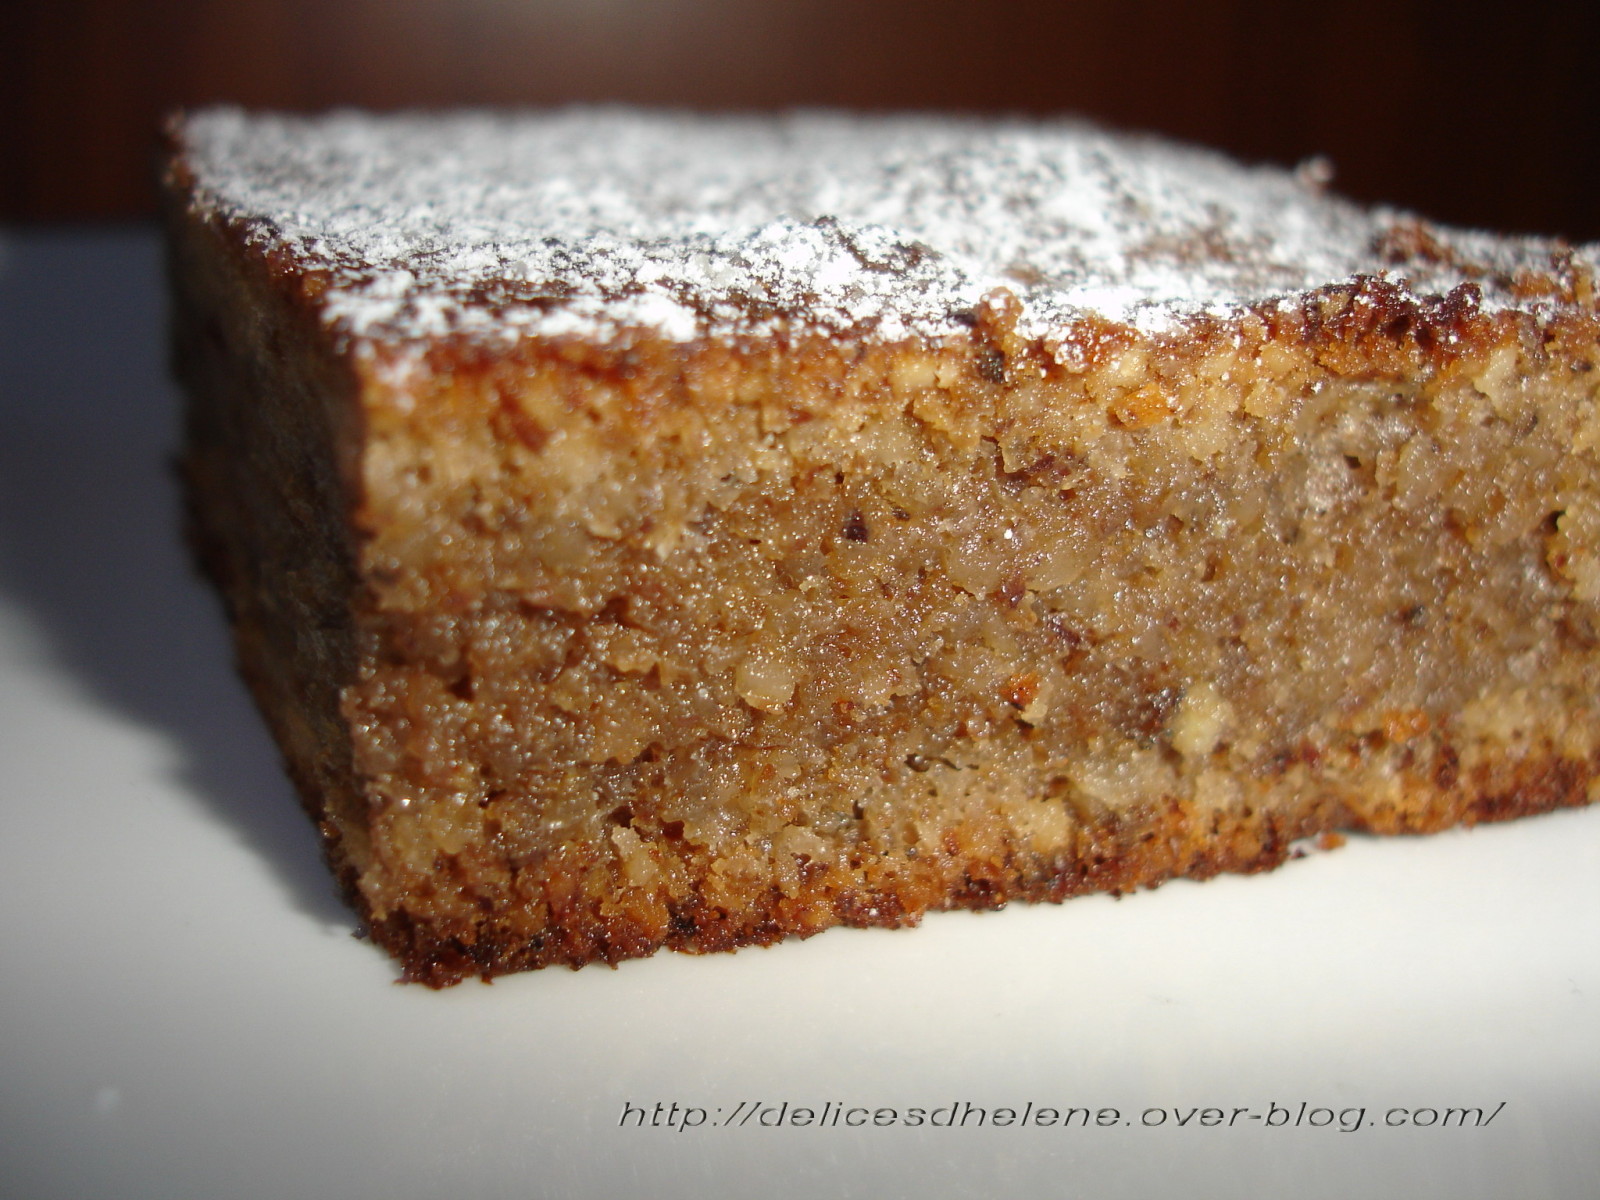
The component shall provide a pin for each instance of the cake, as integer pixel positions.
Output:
(652, 530)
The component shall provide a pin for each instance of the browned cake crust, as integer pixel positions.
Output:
(580, 646)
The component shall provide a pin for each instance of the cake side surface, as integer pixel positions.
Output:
(857, 644)
(270, 471)
(703, 641)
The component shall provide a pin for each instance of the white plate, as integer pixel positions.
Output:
(183, 1011)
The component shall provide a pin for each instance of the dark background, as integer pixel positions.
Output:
(1484, 115)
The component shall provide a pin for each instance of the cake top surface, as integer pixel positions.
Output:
(592, 222)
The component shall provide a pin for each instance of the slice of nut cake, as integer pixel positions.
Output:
(648, 530)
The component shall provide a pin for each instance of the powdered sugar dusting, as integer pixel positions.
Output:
(591, 222)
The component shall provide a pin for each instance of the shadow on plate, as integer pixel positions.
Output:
(89, 529)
